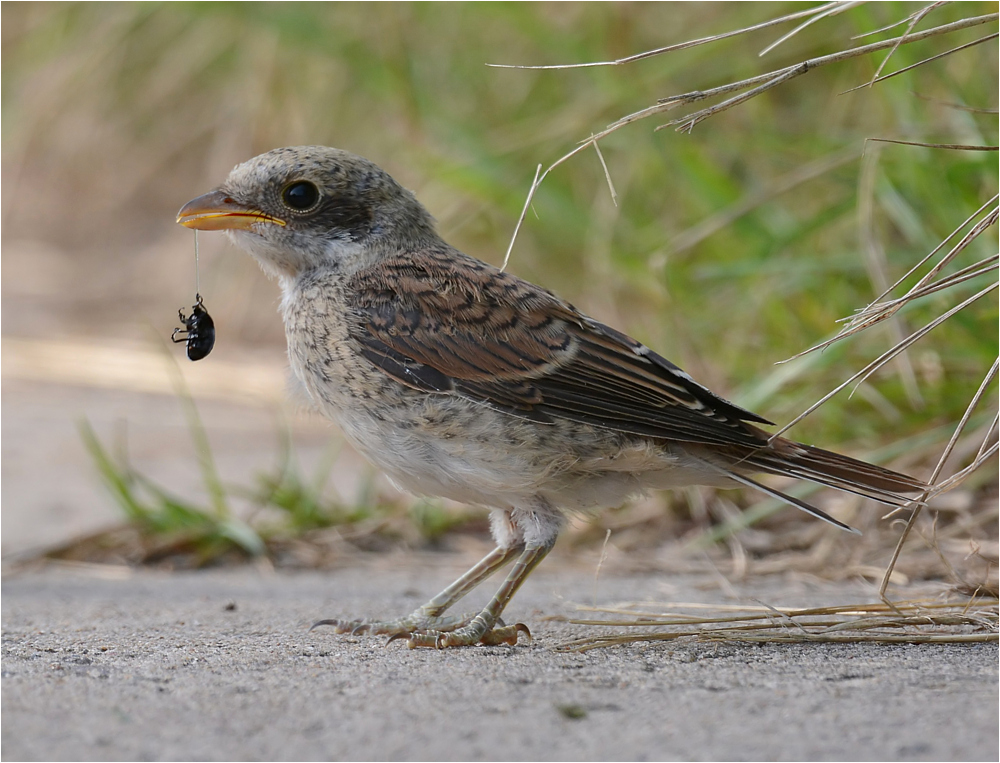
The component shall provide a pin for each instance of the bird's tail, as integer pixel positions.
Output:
(792, 459)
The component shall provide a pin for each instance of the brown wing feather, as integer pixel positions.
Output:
(441, 321)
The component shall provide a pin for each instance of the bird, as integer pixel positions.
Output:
(463, 381)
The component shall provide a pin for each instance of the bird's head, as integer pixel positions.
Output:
(305, 207)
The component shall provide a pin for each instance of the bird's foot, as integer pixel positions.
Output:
(436, 632)
(469, 635)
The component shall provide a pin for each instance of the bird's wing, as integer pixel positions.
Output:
(439, 321)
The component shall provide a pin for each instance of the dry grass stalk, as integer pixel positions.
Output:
(758, 84)
(880, 309)
(949, 146)
(914, 20)
(822, 11)
(888, 355)
(912, 622)
(937, 471)
(878, 79)
(778, 76)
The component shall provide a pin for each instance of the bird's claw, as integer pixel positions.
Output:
(318, 623)
(506, 634)
(359, 627)
(396, 636)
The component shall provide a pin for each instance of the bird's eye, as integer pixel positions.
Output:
(300, 195)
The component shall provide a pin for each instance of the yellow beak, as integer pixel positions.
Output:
(217, 211)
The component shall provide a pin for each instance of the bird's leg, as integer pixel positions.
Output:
(480, 629)
(428, 617)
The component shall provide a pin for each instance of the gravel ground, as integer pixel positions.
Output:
(221, 665)
(109, 664)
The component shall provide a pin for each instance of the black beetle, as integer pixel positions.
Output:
(198, 330)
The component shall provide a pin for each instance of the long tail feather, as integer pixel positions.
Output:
(793, 501)
(789, 458)
(792, 459)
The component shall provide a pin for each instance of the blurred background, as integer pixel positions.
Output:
(729, 249)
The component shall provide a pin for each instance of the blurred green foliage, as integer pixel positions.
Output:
(206, 534)
(115, 114)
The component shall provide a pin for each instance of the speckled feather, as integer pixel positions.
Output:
(441, 321)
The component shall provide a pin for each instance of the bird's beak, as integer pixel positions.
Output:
(218, 211)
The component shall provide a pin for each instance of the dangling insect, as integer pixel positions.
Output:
(198, 330)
